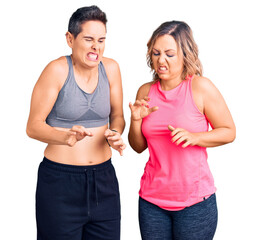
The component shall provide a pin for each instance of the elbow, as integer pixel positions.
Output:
(140, 150)
(136, 147)
(30, 131)
(232, 135)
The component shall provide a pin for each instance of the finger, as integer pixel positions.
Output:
(153, 109)
(146, 98)
(71, 141)
(78, 129)
(88, 133)
(144, 103)
(108, 133)
(182, 139)
(131, 106)
(176, 131)
(121, 152)
(117, 143)
(171, 128)
(123, 146)
(137, 103)
(186, 144)
(177, 136)
(114, 138)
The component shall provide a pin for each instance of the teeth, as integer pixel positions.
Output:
(92, 56)
(163, 68)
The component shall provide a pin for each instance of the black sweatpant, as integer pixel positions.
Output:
(77, 202)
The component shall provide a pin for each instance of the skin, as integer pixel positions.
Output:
(78, 145)
(168, 63)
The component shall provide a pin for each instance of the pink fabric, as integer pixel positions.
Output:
(174, 177)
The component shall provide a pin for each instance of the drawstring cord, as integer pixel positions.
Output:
(94, 171)
(88, 189)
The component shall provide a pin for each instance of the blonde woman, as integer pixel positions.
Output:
(171, 117)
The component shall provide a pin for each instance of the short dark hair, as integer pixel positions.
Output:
(81, 15)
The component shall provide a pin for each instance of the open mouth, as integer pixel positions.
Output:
(162, 69)
(92, 56)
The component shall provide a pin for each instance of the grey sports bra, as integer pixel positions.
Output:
(74, 106)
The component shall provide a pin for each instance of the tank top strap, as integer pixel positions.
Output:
(70, 65)
(102, 73)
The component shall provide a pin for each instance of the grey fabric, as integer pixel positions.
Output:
(74, 106)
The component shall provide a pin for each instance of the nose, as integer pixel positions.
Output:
(161, 59)
(95, 46)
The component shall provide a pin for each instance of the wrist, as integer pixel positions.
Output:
(136, 120)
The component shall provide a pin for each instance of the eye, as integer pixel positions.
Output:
(170, 55)
(156, 54)
(101, 41)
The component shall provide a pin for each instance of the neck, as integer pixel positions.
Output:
(85, 73)
(167, 85)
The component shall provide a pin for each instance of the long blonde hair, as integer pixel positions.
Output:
(183, 36)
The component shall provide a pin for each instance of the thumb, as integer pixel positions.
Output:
(170, 128)
(131, 106)
(153, 109)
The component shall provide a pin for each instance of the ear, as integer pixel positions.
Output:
(69, 39)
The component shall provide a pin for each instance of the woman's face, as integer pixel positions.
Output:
(167, 58)
(88, 47)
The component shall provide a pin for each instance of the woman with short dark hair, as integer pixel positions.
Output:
(77, 109)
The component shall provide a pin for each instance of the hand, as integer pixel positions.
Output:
(115, 141)
(141, 109)
(77, 133)
(180, 135)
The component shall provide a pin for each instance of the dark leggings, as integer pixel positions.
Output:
(197, 222)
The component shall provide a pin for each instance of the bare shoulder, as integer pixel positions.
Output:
(110, 64)
(144, 90)
(55, 72)
(203, 85)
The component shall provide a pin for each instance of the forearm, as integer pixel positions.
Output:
(135, 137)
(117, 123)
(41, 131)
(215, 137)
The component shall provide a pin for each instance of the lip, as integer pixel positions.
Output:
(92, 56)
(162, 69)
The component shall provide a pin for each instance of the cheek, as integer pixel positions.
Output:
(154, 61)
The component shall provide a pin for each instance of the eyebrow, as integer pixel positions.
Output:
(166, 50)
(89, 37)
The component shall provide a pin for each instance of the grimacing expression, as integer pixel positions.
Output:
(89, 45)
(167, 58)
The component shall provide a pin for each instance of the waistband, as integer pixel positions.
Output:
(75, 168)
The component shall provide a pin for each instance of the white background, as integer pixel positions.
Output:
(228, 34)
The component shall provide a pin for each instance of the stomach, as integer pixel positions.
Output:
(89, 151)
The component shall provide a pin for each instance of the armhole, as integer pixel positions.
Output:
(150, 89)
(192, 96)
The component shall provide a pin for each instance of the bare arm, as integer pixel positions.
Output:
(43, 98)
(215, 109)
(116, 119)
(138, 111)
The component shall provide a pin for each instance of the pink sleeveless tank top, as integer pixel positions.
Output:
(174, 177)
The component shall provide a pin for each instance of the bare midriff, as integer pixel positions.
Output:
(89, 151)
